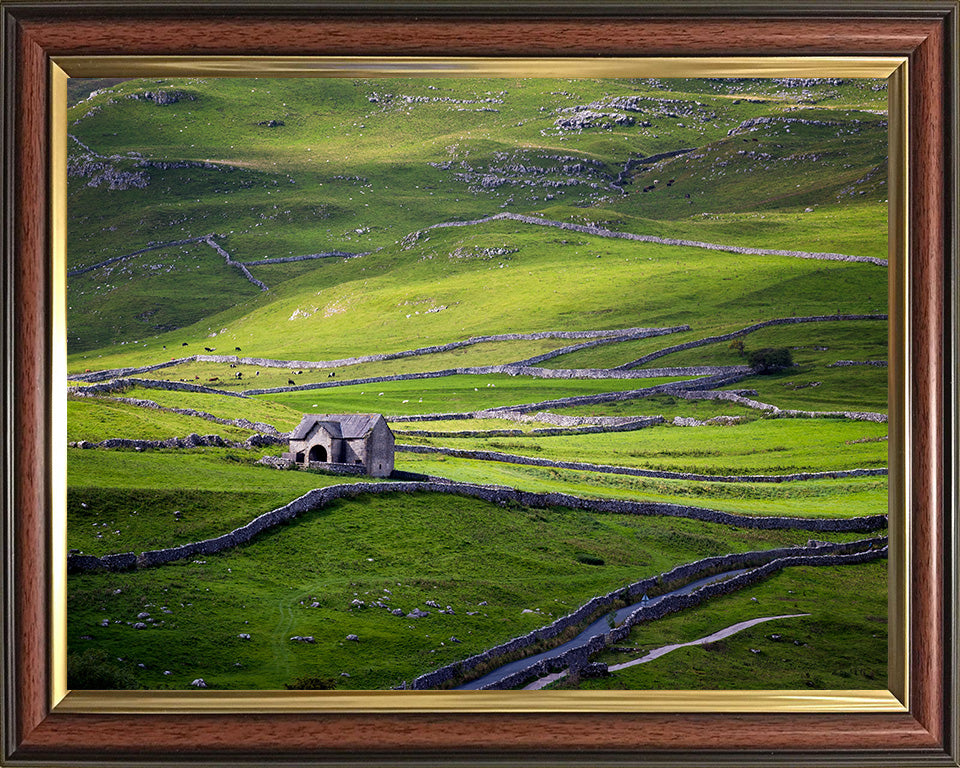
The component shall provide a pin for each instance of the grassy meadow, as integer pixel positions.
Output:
(391, 177)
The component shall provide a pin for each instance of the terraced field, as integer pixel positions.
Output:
(660, 303)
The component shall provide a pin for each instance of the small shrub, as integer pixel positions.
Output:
(590, 560)
(770, 359)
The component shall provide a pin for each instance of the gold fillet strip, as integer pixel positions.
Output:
(368, 702)
(830, 701)
(364, 66)
(58, 381)
(899, 391)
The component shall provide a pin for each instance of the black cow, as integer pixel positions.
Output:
(291, 382)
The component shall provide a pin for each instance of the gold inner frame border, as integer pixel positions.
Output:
(893, 700)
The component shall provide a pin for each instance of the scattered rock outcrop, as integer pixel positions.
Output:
(162, 97)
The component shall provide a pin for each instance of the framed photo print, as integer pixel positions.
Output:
(472, 384)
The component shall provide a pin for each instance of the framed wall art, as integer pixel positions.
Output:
(435, 384)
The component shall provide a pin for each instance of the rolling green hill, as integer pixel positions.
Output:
(241, 235)
(285, 168)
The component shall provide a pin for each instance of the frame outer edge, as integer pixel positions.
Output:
(929, 131)
(952, 478)
(507, 8)
(898, 382)
(7, 613)
(949, 280)
(29, 359)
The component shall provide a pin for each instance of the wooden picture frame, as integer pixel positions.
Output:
(36, 732)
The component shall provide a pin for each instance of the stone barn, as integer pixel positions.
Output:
(355, 439)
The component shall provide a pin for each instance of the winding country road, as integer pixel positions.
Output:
(599, 627)
(656, 653)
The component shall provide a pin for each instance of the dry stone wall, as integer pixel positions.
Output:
(512, 458)
(601, 232)
(627, 425)
(513, 370)
(305, 257)
(117, 373)
(258, 426)
(192, 440)
(762, 563)
(438, 348)
(231, 263)
(614, 335)
(122, 385)
(596, 343)
(318, 498)
(517, 411)
(743, 332)
(152, 247)
(740, 399)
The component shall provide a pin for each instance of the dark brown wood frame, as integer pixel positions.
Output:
(923, 31)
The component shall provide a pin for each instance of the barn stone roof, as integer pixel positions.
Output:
(342, 425)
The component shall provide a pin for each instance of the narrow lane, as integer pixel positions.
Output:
(656, 653)
(599, 627)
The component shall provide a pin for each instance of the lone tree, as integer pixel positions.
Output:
(770, 359)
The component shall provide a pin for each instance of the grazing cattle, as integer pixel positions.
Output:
(331, 374)
(184, 344)
(210, 349)
(237, 349)
(239, 374)
(215, 378)
(291, 382)
(258, 373)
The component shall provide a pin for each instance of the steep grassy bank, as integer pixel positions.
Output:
(488, 563)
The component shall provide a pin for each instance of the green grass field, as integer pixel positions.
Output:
(460, 553)
(765, 446)
(850, 497)
(273, 168)
(840, 645)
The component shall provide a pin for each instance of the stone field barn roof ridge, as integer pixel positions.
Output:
(347, 426)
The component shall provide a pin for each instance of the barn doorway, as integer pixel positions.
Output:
(318, 453)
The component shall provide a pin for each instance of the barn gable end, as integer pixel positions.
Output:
(362, 439)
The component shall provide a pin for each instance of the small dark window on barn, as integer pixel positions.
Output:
(318, 453)
(299, 457)
(358, 461)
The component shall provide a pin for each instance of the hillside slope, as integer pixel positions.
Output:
(287, 168)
